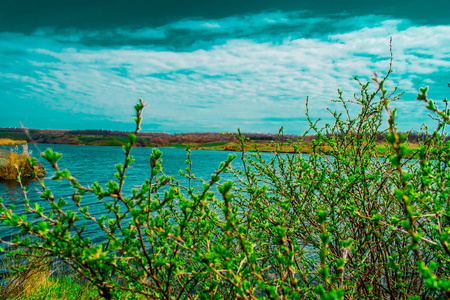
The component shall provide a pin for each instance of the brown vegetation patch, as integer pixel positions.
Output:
(10, 142)
(8, 171)
(9, 160)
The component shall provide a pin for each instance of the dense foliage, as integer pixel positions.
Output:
(342, 223)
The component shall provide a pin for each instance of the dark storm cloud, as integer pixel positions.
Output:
(193, 34)
(27, 15)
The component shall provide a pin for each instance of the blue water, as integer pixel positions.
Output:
(97, 163)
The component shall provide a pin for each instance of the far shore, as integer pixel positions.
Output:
(249, 146)
(262, 142)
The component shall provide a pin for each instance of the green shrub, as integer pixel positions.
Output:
(340, 223)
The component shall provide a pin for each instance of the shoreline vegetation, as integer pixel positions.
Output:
(12, 160)
(194, 140)
(11, 142)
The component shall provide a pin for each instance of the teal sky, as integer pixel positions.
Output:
(212, 65)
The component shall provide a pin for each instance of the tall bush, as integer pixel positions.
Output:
(340, 223)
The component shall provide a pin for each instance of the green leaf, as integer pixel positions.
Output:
(50, 156)
(225, 187)
(132, 138)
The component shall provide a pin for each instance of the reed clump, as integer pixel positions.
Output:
(10, 142)
(14, 162)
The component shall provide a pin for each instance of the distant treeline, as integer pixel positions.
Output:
(144, 138)
(109, 137)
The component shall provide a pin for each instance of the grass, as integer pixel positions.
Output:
(214, 144)
(16, 286)
(178, 146)
(62, 287)
(10, 142)
(13, 135)
(304, 148)
(40, 279)
(102, 141)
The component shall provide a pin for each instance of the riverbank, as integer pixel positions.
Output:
(303, 148)
(196, 140)
(270, 146)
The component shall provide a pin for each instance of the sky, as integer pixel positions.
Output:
(213, 66)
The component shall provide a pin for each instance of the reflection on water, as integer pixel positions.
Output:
(11, 184)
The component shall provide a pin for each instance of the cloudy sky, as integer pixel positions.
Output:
(212, 65)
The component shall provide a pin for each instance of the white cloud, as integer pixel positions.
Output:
(226, 85)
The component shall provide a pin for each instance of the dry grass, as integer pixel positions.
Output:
(39, 280)
(10, 142)
(9, 171)
(42, 279)
(18, 286)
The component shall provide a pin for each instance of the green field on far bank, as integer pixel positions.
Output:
(266, 146)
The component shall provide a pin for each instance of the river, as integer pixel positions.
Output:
(97, 163)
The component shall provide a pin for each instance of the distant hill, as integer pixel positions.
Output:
(118, 138)
(196, 140)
